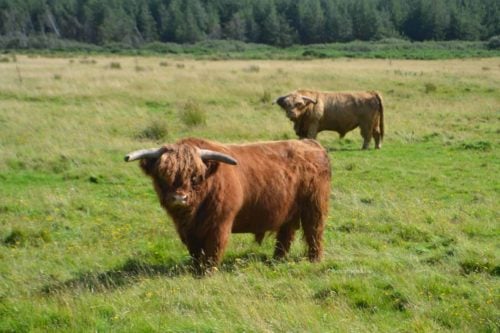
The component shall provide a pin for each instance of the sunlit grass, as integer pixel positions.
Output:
(411, 242)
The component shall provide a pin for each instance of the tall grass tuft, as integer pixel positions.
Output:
(157, 130)
(193, 115)
(429, 88)
(252, 69)
(266, 98)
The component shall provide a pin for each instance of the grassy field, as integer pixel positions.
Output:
(412, 242)
(390, 48)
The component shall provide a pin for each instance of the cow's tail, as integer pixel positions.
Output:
(381, 110)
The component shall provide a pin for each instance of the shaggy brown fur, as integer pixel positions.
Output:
(335, 111)
(275, 187)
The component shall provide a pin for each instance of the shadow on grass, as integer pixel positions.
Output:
(134, 269)
(234, 263)
(347, 149)
(126, 274)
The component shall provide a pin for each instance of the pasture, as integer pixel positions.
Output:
(411, 242)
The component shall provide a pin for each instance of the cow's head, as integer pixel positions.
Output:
(179, 170)
(295, 104)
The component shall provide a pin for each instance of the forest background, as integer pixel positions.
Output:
(122, 24)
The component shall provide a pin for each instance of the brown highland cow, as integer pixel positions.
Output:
(316, 111)
(211, 190)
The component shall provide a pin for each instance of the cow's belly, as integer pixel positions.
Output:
(257, 220)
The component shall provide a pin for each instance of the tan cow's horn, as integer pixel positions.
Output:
(144, 153)
(309, 99)
(210, 155)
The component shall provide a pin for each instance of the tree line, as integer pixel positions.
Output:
(273, 22)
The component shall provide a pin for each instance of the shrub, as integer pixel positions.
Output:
(252, 69)
(160, 47)
(115, 65)
(478, 145)
(314, 54)
(156, 131)
(193, 115)
(493, 43)
(430, 87)
(18, 237)
(88, 61)
(266, 98)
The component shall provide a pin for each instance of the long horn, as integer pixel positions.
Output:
(309, 99)
(211, 155)
(144, 153)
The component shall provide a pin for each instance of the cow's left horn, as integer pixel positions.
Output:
(210, 155)
(309, 99)
(144, 153)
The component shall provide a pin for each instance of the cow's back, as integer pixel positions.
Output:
(275, 178)
(344, 111)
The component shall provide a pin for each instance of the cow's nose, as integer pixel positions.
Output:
(180, 197)
(280, 101)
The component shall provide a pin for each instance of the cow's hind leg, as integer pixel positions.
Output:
(366, 133)
(376, 135)
(284, 239)
(313, 218)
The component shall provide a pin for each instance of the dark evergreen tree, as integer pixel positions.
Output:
(365, 24)
(311, 21)
(275, 22)
(338, 24)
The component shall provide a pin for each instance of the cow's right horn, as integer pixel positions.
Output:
(144, 153)
(210, 155)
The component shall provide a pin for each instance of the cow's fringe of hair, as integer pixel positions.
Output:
(183, 162)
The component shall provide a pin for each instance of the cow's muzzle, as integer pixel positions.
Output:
(178, 199)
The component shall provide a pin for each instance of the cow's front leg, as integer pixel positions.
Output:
(312, 130)
(195, 248)
(214, 245)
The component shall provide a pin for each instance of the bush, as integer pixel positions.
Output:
(478, 145)
(193, 114)
(115, 65)
(159, 47)
(430, 87)
(157, 130)
(19, 237)
(86, 61)
(493, 43)
(252, 69)
(266, 97)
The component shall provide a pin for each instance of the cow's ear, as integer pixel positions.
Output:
(309, 100)
(148, 165)
(212, 168)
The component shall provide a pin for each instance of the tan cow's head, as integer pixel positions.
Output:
(295, 104)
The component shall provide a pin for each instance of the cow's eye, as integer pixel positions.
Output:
(177, 182)
(195, 180)
(298, 104)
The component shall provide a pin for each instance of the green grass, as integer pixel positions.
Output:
(412, 237)
(390, 48)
